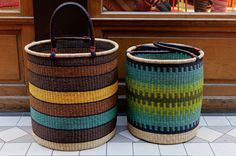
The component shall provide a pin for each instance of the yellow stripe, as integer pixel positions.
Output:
(73, 97)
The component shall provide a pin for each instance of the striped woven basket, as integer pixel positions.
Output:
(165, 90)
(72, 85)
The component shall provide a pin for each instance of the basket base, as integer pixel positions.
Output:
(74, 146)
(163, 138)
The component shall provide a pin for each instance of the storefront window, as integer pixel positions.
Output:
(9, 5)
(170, 5)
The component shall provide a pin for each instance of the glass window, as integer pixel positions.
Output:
(170, 5)
(9, 5)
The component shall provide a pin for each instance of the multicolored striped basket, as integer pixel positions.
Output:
(164, 91)
(73, 86)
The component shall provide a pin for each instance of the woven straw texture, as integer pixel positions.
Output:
(164, 100)
(73, 100)
(73, 89)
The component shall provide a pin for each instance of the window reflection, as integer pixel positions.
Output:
(9, 4)
(170, 5)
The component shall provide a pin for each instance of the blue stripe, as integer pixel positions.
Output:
(73, 123)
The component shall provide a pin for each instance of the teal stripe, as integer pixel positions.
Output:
(164, 78)
(164, 56)
(73, 123)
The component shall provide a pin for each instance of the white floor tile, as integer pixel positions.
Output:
(216, 121)
(127, 134)
(232, 132)
(1, 144)
(198, 149)
(202, 122)
(36, 149)
(96, 151)
(14, 149)
(121, 139)
(12, 134)
(232, 120)
(145, 149)
(65, 153)
(24, 121)
(119, 149)
(224, 149)
(208, 134)
(121, 121)
(221, 129)
(172, 150)
(9, 120)
(225, 139)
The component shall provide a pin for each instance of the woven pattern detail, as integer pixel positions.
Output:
(164, 99)
(73, 100)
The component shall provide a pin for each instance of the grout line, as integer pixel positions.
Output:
(106, 149)
(51, 152)
(132, 148)
(159, 149)
(19, 120)
(203, 117)
(2, 146)
(212, 149)
(228, 121)
(185, 149)
(24, 130)
(28, 149)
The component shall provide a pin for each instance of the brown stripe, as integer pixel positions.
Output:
(72, 62)
(74, 84)
(64, 136)
(74, 110)
(72, 71)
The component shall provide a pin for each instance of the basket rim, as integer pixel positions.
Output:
(70, 55)
(156, 61)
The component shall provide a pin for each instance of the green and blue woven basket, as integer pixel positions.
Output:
(164, 91)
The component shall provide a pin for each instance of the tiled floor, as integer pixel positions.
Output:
(216, 136)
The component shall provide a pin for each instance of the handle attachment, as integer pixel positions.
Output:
(90, 26)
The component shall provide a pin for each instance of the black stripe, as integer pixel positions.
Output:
(165, 67)
(74, 84)
(165, 130)
(73, 136)
(72, 62)
(152, 100)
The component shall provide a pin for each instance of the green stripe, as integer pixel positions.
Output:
(167, 109)
(164, 117)
(147, 89)
(73, 123)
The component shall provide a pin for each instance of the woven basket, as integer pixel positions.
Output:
(73, 85)
(164, 92)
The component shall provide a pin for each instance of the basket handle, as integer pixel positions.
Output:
(90, 25)
(193, 52)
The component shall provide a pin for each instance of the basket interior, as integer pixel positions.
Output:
(167, 56)
(154, 53)
(72, 46)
